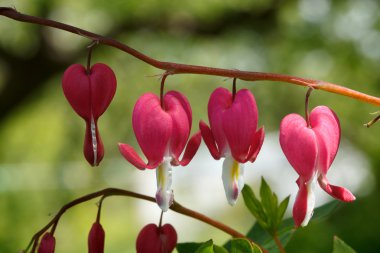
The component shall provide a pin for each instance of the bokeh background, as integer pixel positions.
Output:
(41, 161)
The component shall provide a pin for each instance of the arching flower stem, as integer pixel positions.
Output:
(176, 207)
(177, 68)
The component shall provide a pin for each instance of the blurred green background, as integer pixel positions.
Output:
(41, 161)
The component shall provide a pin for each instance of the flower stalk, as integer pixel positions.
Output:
(176, 68)
(176, 207)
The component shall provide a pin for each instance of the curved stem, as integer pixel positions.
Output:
(307, 106)
(177, 68)
(90, 47)
(233, 89)
(278, 243)
(176, 207)
(162, 88)
(160, 223)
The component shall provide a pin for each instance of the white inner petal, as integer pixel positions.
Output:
(233, 178)
(164, 194)
(94, 140)
(310, 186)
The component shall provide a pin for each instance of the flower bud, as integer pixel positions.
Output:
(153, 239)
(47, 244)
(96, 239)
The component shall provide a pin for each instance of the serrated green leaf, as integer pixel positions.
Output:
(218, 249)
(282, 209)
(206, 247)
(341, 247)
(243, 246)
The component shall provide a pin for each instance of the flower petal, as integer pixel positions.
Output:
(177, 106)
(326, 126)
(103, 88)
(299, 144)
(219, 101)
(256, 145)
(164, 194)
(152, 127)
(131, 155)
(76, 87)
(240, 124)
(93, 147)
(191, 148)
(305, 201)
(208, 138)
(335, 191)
(233, 179)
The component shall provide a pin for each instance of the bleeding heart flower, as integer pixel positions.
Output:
(96, 239)
(47, 244)
(90, 94)
(311, 151)
(233, 135)
(153, 239)
(162, 134)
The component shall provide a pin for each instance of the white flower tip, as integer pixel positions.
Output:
(233, 180)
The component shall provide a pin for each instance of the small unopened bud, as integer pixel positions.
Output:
(47, 244)
(96, 239)
(153, 239)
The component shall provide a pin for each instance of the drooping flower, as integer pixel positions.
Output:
(96, 239)
(311, 150)
(89, 94)
(153, 239)
(47, 244)
(162, 134)
(233, 135)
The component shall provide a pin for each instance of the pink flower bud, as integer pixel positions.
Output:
(47, 244)
(96, 239)
(89, 94)
(153, 239)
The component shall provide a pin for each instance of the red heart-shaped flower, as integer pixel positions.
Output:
(153, 239)
(89, 94)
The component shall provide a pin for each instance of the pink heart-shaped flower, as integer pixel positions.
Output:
(89, 94)
(311, 150)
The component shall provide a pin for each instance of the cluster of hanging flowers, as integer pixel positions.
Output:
(162, 127)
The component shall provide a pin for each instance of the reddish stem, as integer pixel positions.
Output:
(307, 106)
(176, 207)
(176, 68)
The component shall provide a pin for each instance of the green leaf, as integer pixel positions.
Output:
(206, 247)
(260, 236)
(268, 199)
(282, 209)
(286, 229)
(243, 246)
(326, 210)
(188, 247)
(254, 205)
(341, 247)
(218, 249)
